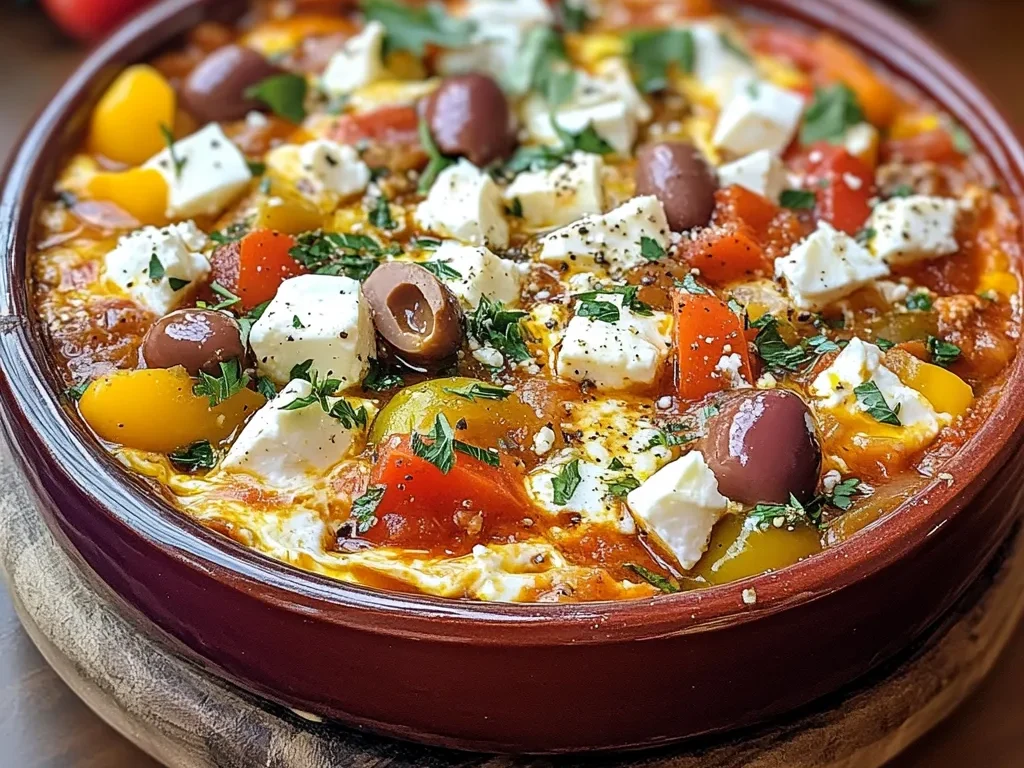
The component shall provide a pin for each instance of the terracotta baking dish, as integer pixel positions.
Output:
(536, 678)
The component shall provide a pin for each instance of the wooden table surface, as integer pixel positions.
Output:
(43, 724)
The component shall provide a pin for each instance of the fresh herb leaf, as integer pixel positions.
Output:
(884, 344)
(943, 353)
(230, 299)
(841, 496)
(544, 158)
(412, 28)
(515, 208)
(833, 110)
(622, 486)
(542, 65)
(765, 516)
(478, 390)
(297, 322)
(565, 483)
(797, 199)
(487, 456)
(437, 162)
(441, 450)
(380, 216)
(653, 52)
(629, 298)
(199, 455)
(156, 269)
(573, 14)
(364, 509)
(349, 416)
(873, 401)
(919, 300)
(231, 381)
(177, 283)
(380, 378)
(651, 249)
(245, 322)
(587, 140)
(772, 348)
(604, 311)
(962, 141)
(425, 243)
(339, 253)
(176, 160)
(865, 235)
(76, 391)
(493, 325)
(266, 387)
(732, 47)
(230, 234)
(441, 270)
(320, 389)
(901, 190)
(665, 584)
(285, 94)
(690, 285)
(301, 371)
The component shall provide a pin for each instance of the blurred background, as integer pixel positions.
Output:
(43, 725)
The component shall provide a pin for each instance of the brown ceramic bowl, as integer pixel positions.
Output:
(537, 678)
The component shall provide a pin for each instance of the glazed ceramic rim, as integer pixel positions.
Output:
(32, 387)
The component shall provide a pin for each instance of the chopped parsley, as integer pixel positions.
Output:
(884, 344)
(653, 52)
(231, 233)
(732, 47)
(765, 516)
(349, 416)
(320, 389)
(919, 300)
(176, 160)
(231, 381)
(156, 268)
(871, 398)
(297, 322)
(901, 190)
(75, 391)
(478, 390)
(302, 371)
(245, 322)
(565, 483)
(177, 283)
(493, 325)
(199, 455)
(595, 309)
(441, 270)
(663, 583)
(797, 199)
(943, 353)
(651, 249)
(440, 451)
(266, 387)
(573, 14)
(515, 208)
(865, 235)
(543, 157)
(256, 167)
(380, 377)
(339, 253)
(962, 141)
(842, 495)
(412, 28)
(780, 356)
(690, 285)
(230, 299)
(541, 65)
(364, 509)
(437, 161)
(380, 216)
(622, 486)
(425, 243)
(628, 294)
(833, 110)
(285, 94)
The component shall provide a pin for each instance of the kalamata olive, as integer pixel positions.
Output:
(762, 448)
(468, 115)
(677, 174)
(198, 339)
(414, 312)
(215, 89)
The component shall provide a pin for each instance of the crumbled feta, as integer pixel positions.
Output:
(679, 506)
(590, 499)
(465, 204)
(358, 63)
(489, 356)
(612, 239)
(283, 446)
(543, 441)
(758, 116)
(606, 100)
(501, 29)
(761, 172)
(205, 173)
(481, 273)
(908, 229)
(826, 266)
(729, 368)
(561, 195)
(716, 64)
(323, 318)
(861, 141)
(861, 362)
(334, 167)
(159, 267)
(613, 355)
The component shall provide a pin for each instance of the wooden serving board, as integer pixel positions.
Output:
(187, 718)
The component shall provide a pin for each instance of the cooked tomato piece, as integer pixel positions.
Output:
(254, 267)
(842, 184)
(727, 254)
(706, 331)
(934, 146)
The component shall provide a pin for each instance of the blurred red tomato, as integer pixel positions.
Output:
(91, 19)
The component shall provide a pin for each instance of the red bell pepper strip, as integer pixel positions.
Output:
(706, 331)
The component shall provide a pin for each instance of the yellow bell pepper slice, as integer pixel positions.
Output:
(126, 122)
(277, 36)
(142, 192)
(946, 391)
(288, 214)
(155, 410)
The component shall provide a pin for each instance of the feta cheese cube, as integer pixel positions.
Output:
(612, 239)
(758, 116)
(334, 167)
(358, 63)
(607, 100)
(679, 506)
(909, 229)
(627, 352)
(205, 173)
(543, 441)
(826, 266)
(323, 318)
(171, 255)
(465, 204)
(761, 172)
(861, 141)
(861, 362)
(481, 273)
(716, 64)
(561, 195)
(282, 447)
(501, 30)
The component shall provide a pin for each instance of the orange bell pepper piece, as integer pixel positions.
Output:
(255, 267)
(726, 254)
(706, 331)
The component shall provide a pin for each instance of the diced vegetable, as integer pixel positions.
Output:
(706, 331)
(127, 121)
(738, 549)
(287, 213)
(142, 192)
(946, 391)
(387, 125)
(424, 508)
(263, 264)
(935, 146)
(843, 185)
(156, 410)
(727, 254)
